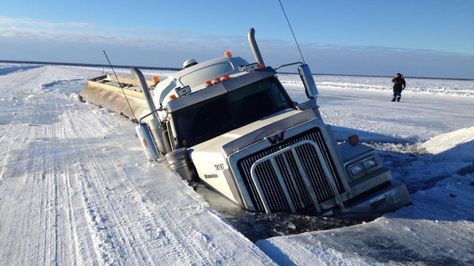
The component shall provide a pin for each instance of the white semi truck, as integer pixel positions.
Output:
(232, 125)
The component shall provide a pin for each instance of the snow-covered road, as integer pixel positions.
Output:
(75, 188)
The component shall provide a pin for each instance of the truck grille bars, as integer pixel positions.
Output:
(292, 176)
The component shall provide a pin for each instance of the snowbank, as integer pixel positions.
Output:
(458, 144)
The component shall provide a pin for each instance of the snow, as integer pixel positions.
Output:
(463, 137)
(75, 187)
(367, 108)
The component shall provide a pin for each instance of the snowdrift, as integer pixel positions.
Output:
(457, 144)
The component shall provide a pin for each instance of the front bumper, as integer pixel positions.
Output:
(384, 200)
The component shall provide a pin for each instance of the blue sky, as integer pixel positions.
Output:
(418, 38)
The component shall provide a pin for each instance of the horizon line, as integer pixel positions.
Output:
(177, 69)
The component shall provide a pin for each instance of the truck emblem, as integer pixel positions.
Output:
(219, 166)
(276, 138)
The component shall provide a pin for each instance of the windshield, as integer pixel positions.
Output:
(206, 120)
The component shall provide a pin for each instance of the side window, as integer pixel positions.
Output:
(280, 99)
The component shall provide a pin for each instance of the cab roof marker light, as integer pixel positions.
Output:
(226, 77)
(208, 83)
(155, 79)
(216, 80)
(228, 54)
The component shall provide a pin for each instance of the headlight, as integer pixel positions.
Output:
(356, 169)
(363, 165)
(370, 163)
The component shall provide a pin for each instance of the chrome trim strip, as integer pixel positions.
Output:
(282, 184)
(306, 181)
(327, 173)
(259, 189)
(233, 157)
(271, 157)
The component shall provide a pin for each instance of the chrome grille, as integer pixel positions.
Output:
(292, 176)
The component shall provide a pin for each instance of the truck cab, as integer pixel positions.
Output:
(242, 135)
(233, 126)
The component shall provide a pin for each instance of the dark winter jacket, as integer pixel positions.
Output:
(398, 83)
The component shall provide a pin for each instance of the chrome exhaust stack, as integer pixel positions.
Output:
(146, 139)
(139, 75)
(154, 124)
(254, 47)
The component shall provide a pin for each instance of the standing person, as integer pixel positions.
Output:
(399, 85)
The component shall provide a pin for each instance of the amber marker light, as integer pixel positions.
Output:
(208, 83)
(226, 77)
(155, 79)
(228, 53)
(173, 97)
(353, 140)
(216, 80)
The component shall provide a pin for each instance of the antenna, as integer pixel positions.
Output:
(120, 85)
(292, 32)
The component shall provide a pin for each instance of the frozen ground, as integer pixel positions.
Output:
(74, 188)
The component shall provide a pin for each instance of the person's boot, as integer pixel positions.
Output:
(393, 99)
(398, 98)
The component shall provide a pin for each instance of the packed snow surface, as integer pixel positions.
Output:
(75, 187)
(448, 141)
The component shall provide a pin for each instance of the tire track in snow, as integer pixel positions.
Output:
(71, 221)
(100, 235)
(120, 221)
(146, 223)
(17, 178)
(32, 167)
(100, 173)
(78, 202)
(153, 227)
(31, 182)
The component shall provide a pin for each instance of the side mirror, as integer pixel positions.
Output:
(307, 77)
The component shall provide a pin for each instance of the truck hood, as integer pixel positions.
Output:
(210, 157)
(241, 137)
